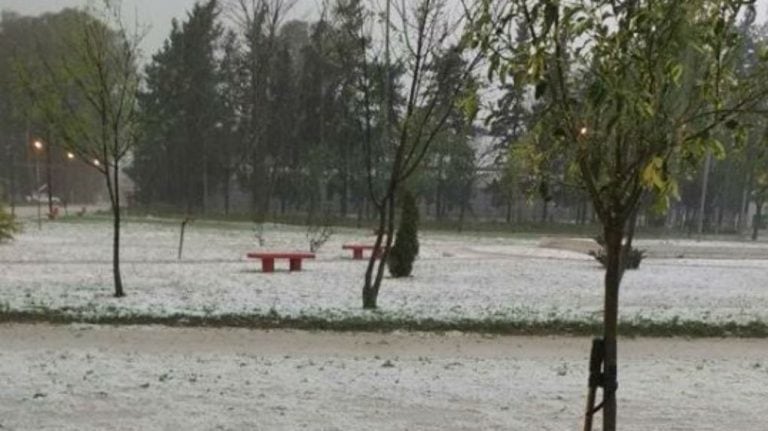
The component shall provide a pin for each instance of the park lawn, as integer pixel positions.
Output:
(65, 268)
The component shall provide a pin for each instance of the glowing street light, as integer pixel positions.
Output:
(96, 162)
(583, 131)
(38, 146)
(70, 156)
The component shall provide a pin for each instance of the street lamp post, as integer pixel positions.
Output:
(70, 194)
(48, 180)
(38, 146)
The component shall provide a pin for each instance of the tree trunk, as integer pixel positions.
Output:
(370, 289)
(631, 225)
(509, 212)
(544, 210)
(48, 181)
(344, 198)
(12, 181)
(613, 232)
(744, 209)
(703, 197)
(113, 184)
(757, 221)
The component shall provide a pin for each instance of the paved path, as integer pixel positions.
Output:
(145, 378)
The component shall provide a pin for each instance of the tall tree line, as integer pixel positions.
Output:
(269, 107)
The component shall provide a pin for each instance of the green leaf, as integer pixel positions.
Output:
(652, 174)
(717, 148)
(676, 72)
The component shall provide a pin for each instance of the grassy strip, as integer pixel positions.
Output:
(374, 323)
(471, 228)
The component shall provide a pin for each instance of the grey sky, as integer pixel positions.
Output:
(157, 14)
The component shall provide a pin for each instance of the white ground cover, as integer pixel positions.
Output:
(150, 378)
(66, 266)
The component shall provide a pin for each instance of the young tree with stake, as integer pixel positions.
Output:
(635, 85)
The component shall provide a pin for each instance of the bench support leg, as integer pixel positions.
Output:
(358, 254)
(295, 264)
(267, 264)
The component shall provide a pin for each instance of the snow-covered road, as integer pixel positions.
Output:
(154, 378)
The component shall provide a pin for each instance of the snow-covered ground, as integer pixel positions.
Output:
(66, 266)
(151, 378)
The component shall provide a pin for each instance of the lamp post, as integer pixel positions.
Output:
(48, 182)
(69, 199)
(38, 146)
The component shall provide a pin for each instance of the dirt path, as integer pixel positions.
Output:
(157, 378)
(164, 340)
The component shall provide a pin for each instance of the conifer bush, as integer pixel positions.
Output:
(406, 247)
(632, 257)
(8, 225)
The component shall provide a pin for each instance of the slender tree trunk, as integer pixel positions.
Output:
(48, 182)
(757, 221)
(12, 181)
(344, 198)
(613, 232)
(370, 290)
(703, 197)
(744, 209)
(509, 212)
(389, 239)
(371, 287)
(631, 225)
(113, 184)
(544, 210)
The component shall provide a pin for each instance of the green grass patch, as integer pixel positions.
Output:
(381, 322)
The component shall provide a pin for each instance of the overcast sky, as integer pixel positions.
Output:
(157, 14)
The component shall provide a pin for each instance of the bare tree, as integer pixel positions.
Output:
(88, 96)
(424, 30)
(258, 22)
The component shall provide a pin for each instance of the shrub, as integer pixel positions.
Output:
(319, 231)
(632, 257)
(8, 225)
(406, 246)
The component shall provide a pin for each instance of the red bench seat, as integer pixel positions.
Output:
(268, 259)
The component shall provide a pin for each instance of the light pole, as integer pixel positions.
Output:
(48, 185)
(38, 146)
(69, 199)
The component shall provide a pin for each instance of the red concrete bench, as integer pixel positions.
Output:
(357, 250)
(268, 259)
